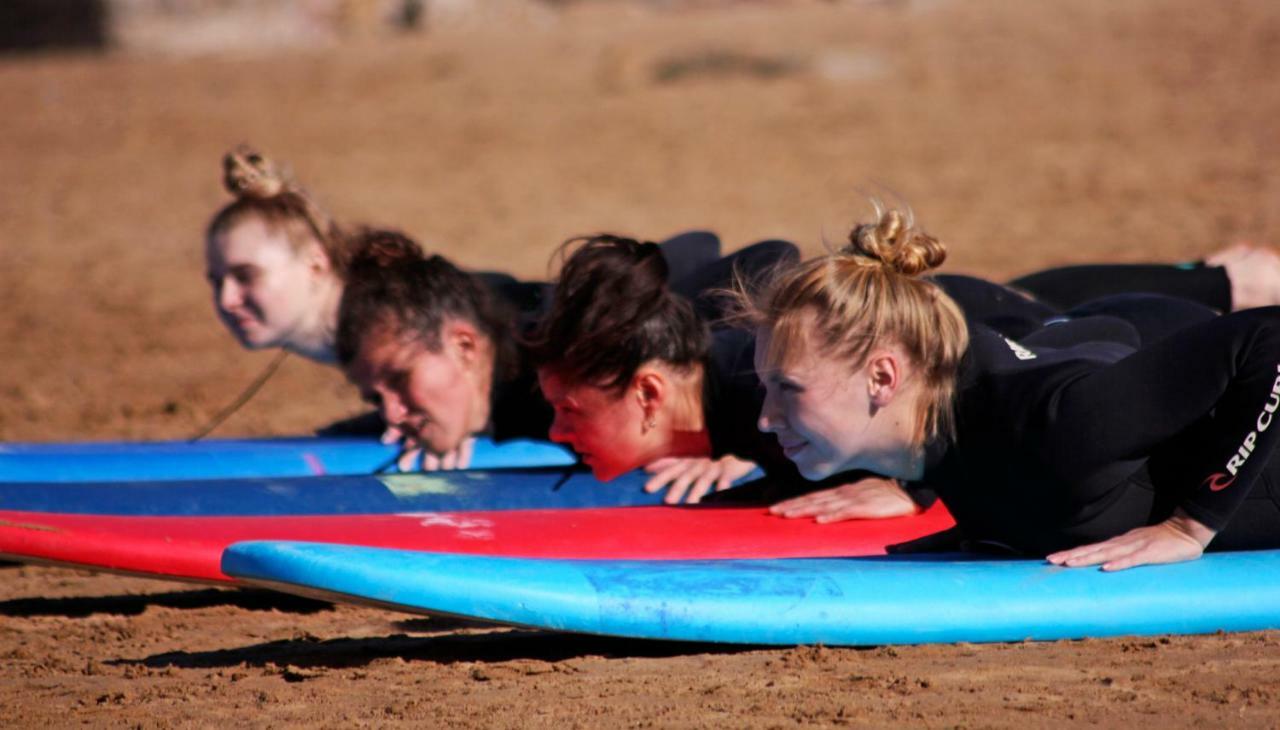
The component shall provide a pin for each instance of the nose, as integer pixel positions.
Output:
(392, 408)
(768, 420)
(229, 293)
(559, 432)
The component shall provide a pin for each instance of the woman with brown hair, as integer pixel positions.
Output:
(1090, 454)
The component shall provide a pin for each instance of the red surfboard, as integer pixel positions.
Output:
(190, 548)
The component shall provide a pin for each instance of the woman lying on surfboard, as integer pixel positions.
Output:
(1089, 454)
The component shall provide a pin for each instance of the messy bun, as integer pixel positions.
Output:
(895, 241)
(247, 174)
(613, 312)
(264, 189)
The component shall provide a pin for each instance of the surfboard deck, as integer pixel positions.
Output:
(850, 601)
(229, 458)
(443, 491)
(190, 548)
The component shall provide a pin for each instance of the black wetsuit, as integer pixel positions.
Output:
(1058, 448)
(1070, 286)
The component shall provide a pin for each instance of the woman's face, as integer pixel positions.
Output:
(604, 427)
(819, 408)
(265, 290)
(436, 399)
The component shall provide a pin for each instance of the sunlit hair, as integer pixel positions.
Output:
(393, 286)
(613, 312)
(870, 294)
(263, 190)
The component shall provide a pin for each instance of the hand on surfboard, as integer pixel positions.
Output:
(1175, 540)
(873, 498)
(415, 458)
(691, 479)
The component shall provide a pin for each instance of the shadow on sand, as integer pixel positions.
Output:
(499, 645)
(132, 605)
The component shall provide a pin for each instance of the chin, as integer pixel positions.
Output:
(815, 472)
(607, 472)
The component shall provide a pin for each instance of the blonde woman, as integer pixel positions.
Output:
(1090, 454)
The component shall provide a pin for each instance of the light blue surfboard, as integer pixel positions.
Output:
(854, 601)
(229, 458)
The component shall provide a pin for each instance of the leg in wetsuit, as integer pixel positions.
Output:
(1069, 286)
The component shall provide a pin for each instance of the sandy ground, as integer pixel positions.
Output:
(1025, 134)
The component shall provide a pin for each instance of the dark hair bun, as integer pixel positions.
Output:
(607, 259)
(381, 249)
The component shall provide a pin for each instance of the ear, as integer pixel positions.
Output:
(884, 377)
(318, 260)
(463, 338)
(649, 389)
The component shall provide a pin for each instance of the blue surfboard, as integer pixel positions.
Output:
(443, 491)
(228, 458)
(853, 601)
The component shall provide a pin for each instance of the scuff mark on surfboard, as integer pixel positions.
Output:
(413, 485)
(29, 526)
(475, 528)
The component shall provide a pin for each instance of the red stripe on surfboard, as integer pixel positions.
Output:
(191, 547)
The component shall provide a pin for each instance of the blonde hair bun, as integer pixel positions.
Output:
(248, 174)
(896, 242)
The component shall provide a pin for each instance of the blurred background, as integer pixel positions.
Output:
(1023, 134)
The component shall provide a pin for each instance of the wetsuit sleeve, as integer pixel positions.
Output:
(1069, 286)
(1221, 377)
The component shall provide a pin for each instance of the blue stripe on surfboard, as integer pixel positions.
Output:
(544, 488)
(228, 458)
(854, 601)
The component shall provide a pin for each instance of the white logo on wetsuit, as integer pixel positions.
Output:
(1216, 481)
(1019, 351)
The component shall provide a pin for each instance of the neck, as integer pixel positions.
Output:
(904, 462)
(483, 409)
(688, 435)
(317, 339)
(899, 453)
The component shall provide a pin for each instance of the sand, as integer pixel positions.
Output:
(1024, 134)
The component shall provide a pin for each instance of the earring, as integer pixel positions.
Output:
(650, 424)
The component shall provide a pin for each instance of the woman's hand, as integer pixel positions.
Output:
(411, 452)
(1175, 540)
(873, 498)
(692, 478)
